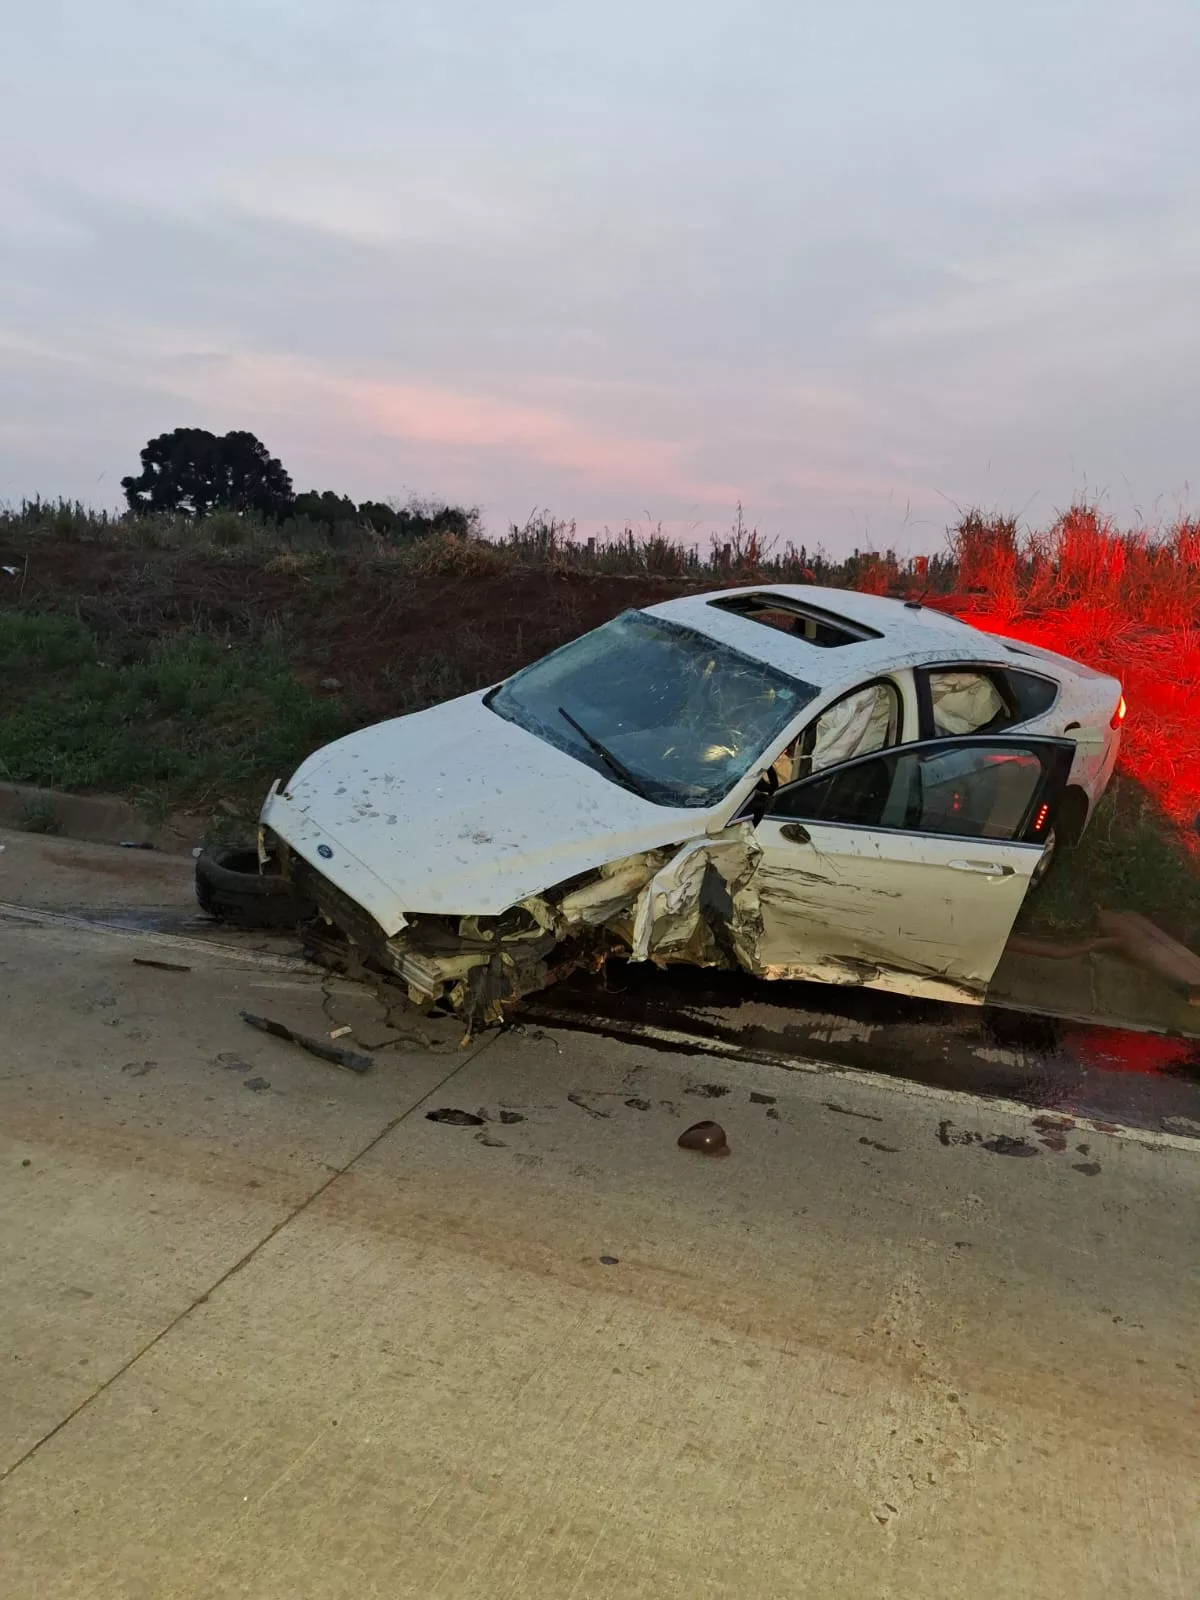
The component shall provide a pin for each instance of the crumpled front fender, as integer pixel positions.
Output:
(707, 887)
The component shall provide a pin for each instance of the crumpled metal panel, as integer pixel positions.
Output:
(679, 900)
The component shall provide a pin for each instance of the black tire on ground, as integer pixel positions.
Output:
(1047, 863)
(230, 888)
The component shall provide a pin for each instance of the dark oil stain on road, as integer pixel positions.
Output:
(1108, 1076)
(1003, 1144)
(1069, 1071)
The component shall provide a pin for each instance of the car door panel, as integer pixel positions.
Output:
(923, 910)
(889, 910)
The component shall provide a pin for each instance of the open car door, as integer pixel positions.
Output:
(905, 870)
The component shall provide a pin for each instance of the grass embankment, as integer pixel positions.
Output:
(187, 666)
(185, 720)
(1131, 859)
(146, 661)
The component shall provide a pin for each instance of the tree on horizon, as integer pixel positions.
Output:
(191, 472)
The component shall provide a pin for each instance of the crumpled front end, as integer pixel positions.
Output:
(694, 903)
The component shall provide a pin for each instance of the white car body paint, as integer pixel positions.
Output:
(455, 812)
(666, 914)
(912, 913)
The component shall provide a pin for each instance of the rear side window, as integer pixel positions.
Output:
(966, 700)
(1032, 695)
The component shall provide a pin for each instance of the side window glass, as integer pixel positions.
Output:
(1031, 694)
(982, 794)
(965, 702)
(975, 793)
(864, 720)
(856, 795)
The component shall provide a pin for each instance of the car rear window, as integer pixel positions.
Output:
(796, 618)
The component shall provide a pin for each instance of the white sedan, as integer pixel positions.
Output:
(807, 783)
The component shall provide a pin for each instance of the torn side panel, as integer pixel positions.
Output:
(702, 905)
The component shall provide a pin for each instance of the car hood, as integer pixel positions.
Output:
(454, 810)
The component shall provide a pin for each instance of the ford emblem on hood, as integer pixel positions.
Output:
(324, 852)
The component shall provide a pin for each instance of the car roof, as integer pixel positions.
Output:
(904, 634)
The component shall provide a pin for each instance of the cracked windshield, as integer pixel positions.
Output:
(668, 713)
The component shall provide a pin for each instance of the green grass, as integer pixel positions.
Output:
(1130, 859)
(188, 719)
(40, 816)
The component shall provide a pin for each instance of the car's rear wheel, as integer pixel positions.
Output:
(1064, 835)
(1046, 862)
(231, 888)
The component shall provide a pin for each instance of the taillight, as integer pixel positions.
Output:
(1118, 716)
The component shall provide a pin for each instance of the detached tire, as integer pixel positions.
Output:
(230, 887)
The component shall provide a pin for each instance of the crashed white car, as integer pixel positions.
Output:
(802, 782)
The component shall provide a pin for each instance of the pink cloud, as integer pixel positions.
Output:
(800, 446)
(538, 433)
(452, 422)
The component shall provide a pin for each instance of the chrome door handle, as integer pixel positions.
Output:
(986, 869)
(796, 832)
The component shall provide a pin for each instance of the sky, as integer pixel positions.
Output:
(854, 264)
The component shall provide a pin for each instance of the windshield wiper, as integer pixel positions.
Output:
(606, 755)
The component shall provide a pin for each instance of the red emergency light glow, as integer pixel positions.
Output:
(1160, 746)
(1040, 820)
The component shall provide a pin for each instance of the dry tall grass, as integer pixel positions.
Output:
(1127, 602)
(1119, 578)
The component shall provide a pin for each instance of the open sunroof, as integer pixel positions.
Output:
(797, 618)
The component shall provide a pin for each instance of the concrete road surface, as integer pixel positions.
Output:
(268, 1331)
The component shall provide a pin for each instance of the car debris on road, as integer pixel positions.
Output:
(799, 782)
(706, 1138)
(334, 1054)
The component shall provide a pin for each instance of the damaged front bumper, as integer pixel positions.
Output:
(693, 903)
